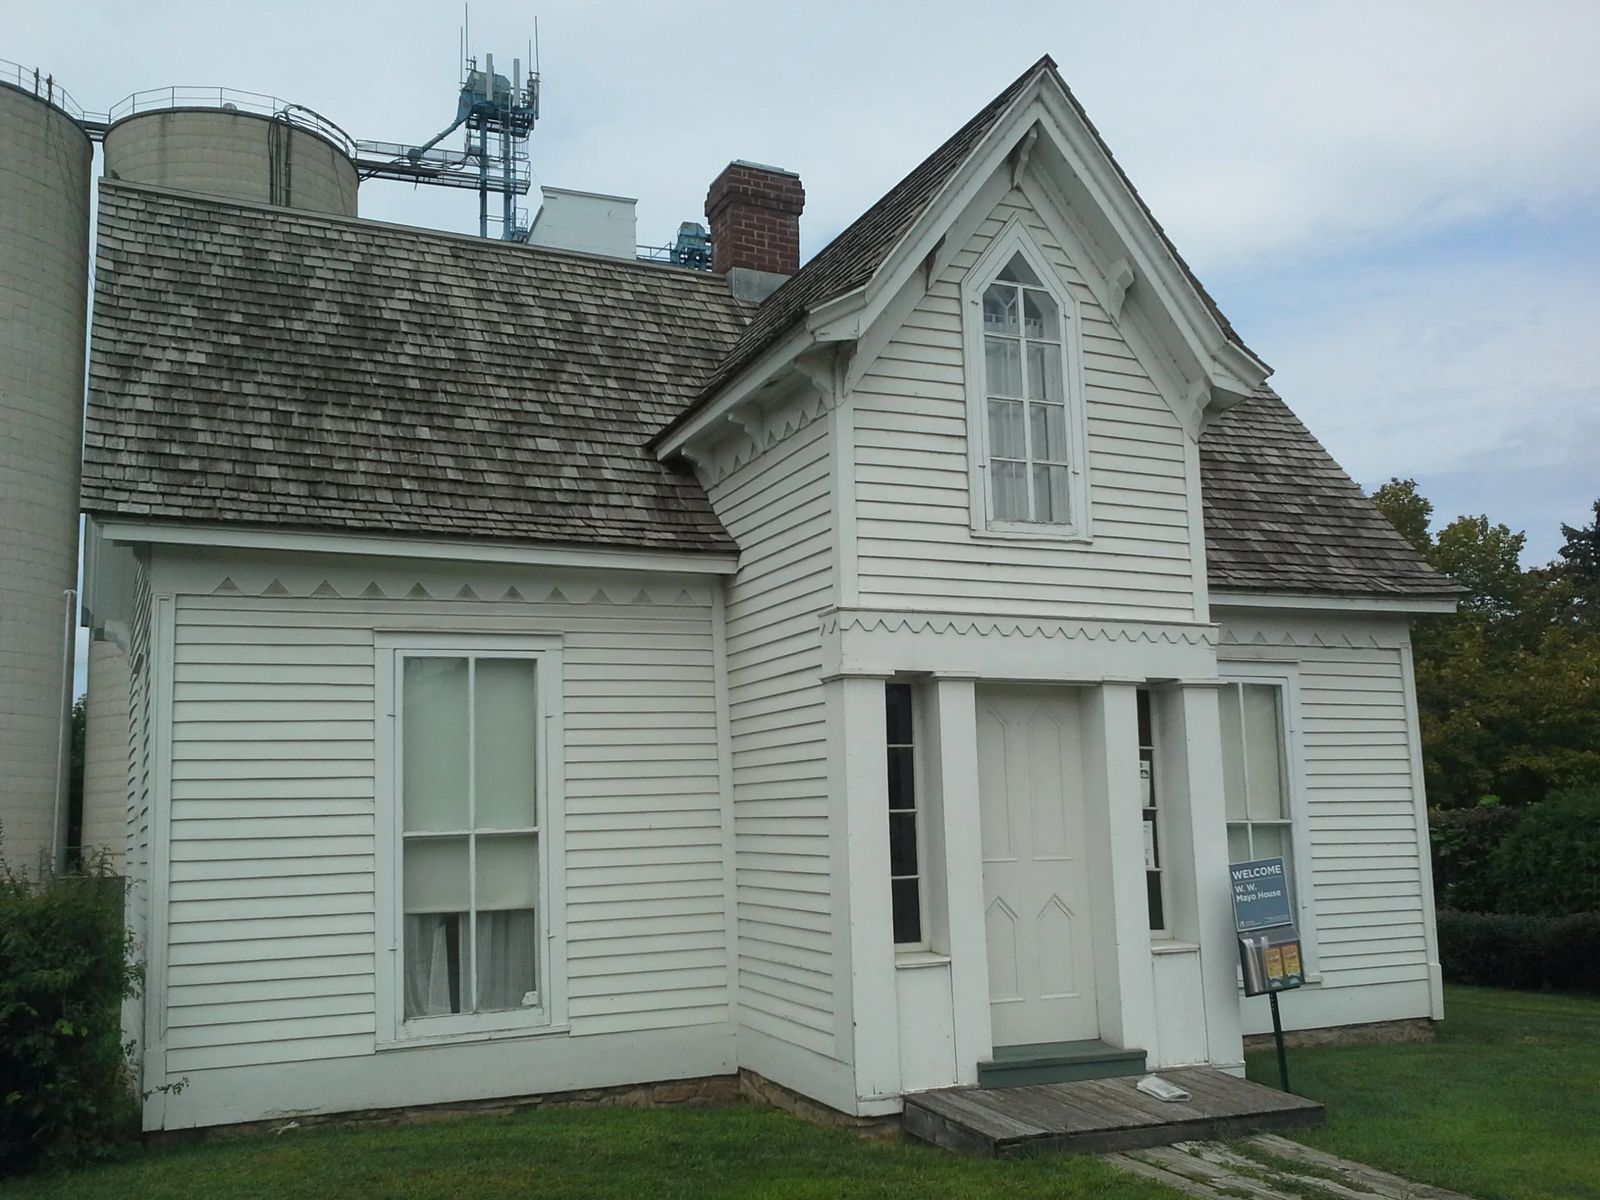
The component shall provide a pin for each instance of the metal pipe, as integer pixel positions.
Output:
(63, 738)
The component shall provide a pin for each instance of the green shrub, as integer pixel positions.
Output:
(1521, 951)
(65, 1092)
(1550, 863)
(1464, 842)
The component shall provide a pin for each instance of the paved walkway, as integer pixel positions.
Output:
(1267, 1167)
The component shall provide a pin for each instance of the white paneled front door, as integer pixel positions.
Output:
(1035, 867)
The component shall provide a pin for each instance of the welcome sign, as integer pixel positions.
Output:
(1260, 894)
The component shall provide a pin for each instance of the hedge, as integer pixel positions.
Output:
(1549, 863)
(1464, 842)
(1521, 951)
(66, 1096)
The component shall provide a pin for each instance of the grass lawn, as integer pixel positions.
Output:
(1504, 1105)
(705, 1154)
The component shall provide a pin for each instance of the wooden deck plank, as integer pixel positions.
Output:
(1359, 1174)
(1100, 1115)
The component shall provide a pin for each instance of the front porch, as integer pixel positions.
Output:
(1099, 1116)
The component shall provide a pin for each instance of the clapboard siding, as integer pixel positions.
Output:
(273, 913)
(913, 527)
(138, 783)
(779, 509)
(1366, 851)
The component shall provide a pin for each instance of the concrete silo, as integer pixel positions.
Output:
(282, 159)
(44, 282)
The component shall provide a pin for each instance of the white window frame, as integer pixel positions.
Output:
(1286, 678)
(550, 1015)
(1013, 239)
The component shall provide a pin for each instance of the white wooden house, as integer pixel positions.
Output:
(552, 671)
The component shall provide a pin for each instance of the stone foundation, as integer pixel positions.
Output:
(705, 1092)
(760, 1090)
(1373, 1033)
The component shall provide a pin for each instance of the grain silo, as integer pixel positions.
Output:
(291, 157)
(44, 282)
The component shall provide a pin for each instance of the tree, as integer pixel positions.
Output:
(1408, 511)
(1508, 687)
(1580, 557)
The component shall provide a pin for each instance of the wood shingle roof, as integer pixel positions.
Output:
(276, 368)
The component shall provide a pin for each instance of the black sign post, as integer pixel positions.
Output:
(1269, 944)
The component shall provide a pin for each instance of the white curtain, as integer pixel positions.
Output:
(429, 967)
(506, 958)
(507, 945)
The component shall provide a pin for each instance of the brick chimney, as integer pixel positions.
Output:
(754, 213)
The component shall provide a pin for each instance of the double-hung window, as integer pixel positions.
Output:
(1026, 418)
(468, 807)
(1258, 758)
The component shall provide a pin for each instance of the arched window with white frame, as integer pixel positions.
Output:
(1025, 405)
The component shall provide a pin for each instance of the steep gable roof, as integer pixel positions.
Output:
(279, 368)
(854, 256)
(848, 261)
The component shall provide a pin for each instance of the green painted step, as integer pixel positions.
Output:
(1058, 1062)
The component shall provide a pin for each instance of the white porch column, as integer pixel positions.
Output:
(859, 778)
(1115, 824)
(957, 867)
(1207, 904)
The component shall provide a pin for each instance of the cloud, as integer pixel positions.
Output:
(1478, 375)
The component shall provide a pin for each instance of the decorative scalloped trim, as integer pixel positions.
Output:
(566, 594)
(1309, 641)
(946, 623)
(740, 452)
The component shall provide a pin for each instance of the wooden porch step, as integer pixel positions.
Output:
(1099, 1116)
(1058, 1062)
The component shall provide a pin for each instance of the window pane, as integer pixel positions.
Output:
(1010, 490)
(906, 899)
(1000, 310)
(1039, 319)
(1044, 372)
(1238, 843)
(433, 946)
(902, 777)
(1270, 841)
(1142, 708)
(1158, 914)
(1264, 753)
(1005, 429)
(508, 871)
(897, 700)
(436, 875)
(1003, 362)
(1275, 841)
(902, 843)
(1049, 429)
(507, 958)
(1018, 271)
(433, 752)
(505, 707)
(1050, 494)
(1232, 754)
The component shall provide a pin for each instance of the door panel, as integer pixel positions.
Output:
(1035, 868)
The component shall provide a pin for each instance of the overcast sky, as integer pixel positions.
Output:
(1395, 203)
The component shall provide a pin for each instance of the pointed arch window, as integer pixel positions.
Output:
(1026, 418)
